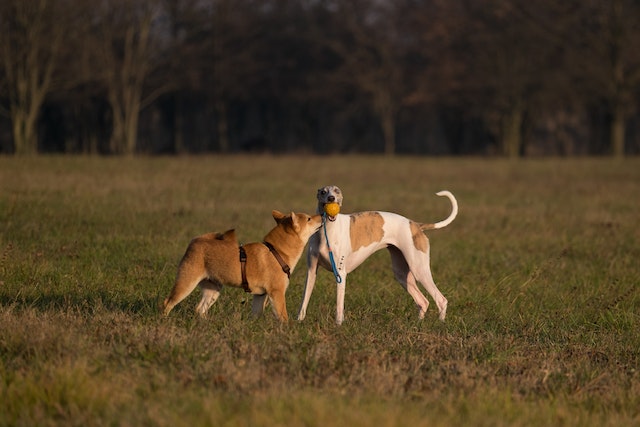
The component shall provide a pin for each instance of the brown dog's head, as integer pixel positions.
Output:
(328, 194)
(300, 223)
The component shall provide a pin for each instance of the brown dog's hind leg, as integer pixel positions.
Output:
(186, 281)
(210, 293)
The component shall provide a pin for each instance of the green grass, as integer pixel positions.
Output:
(540, 268)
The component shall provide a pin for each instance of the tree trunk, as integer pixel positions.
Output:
(132, 97)
(25, 136)
(125, 129)
(512, 131)
(178, 120)
(389, 133)
(617, 131)
(29, 58)
(125, 74)
(222, 125)
(131, 130)
(385, 109)
(117, 129)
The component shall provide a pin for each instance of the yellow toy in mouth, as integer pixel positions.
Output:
(332, 209)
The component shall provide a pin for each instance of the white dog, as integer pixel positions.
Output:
(347, 240)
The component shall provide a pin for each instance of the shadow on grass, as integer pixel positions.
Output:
(89, 305)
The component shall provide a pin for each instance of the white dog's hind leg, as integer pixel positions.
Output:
(403, 275)
(421, 301)
(423, 274)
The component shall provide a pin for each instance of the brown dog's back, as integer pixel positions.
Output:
(214, 253)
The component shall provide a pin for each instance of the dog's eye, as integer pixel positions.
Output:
(323, 192)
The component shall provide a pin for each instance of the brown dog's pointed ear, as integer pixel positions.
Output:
(277, 215)
(295, 221)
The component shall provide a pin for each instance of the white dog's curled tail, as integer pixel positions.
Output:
(450, 218)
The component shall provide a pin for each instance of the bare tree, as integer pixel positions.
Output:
(606, 40)
(599, 60)
(215, 51)
(508, 63)
(435, 75)
(368, 41)
(230, 50)
(187, 34)
(125, 53)
(236, 48)
(30, 49)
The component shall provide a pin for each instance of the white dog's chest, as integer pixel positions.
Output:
(338, 237)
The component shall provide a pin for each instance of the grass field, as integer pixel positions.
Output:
(540, 269)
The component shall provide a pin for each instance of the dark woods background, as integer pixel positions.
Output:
(506, 77)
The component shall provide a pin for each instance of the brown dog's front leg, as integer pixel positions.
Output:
(279, 305)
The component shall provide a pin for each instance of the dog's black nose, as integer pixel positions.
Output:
(331, 198)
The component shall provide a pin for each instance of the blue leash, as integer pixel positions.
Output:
(333, 262)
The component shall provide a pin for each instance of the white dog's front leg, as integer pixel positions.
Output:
(312, 271)
(340, 299)
(308, 289)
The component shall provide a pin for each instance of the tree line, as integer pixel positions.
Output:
(504, 77)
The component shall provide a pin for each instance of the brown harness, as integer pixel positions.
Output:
(243, 269)
(243, 264)
(275, 253)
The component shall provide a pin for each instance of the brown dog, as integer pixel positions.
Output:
(213, 260)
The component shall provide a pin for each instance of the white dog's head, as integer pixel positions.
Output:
(328, 194)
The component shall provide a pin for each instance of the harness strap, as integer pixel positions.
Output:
(243, 269)
(275, 253)
(243, 264)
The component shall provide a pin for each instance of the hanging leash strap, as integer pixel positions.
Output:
(243, 269)
(333, 262)
(275, 253)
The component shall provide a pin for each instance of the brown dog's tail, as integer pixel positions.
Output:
(450, 218)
